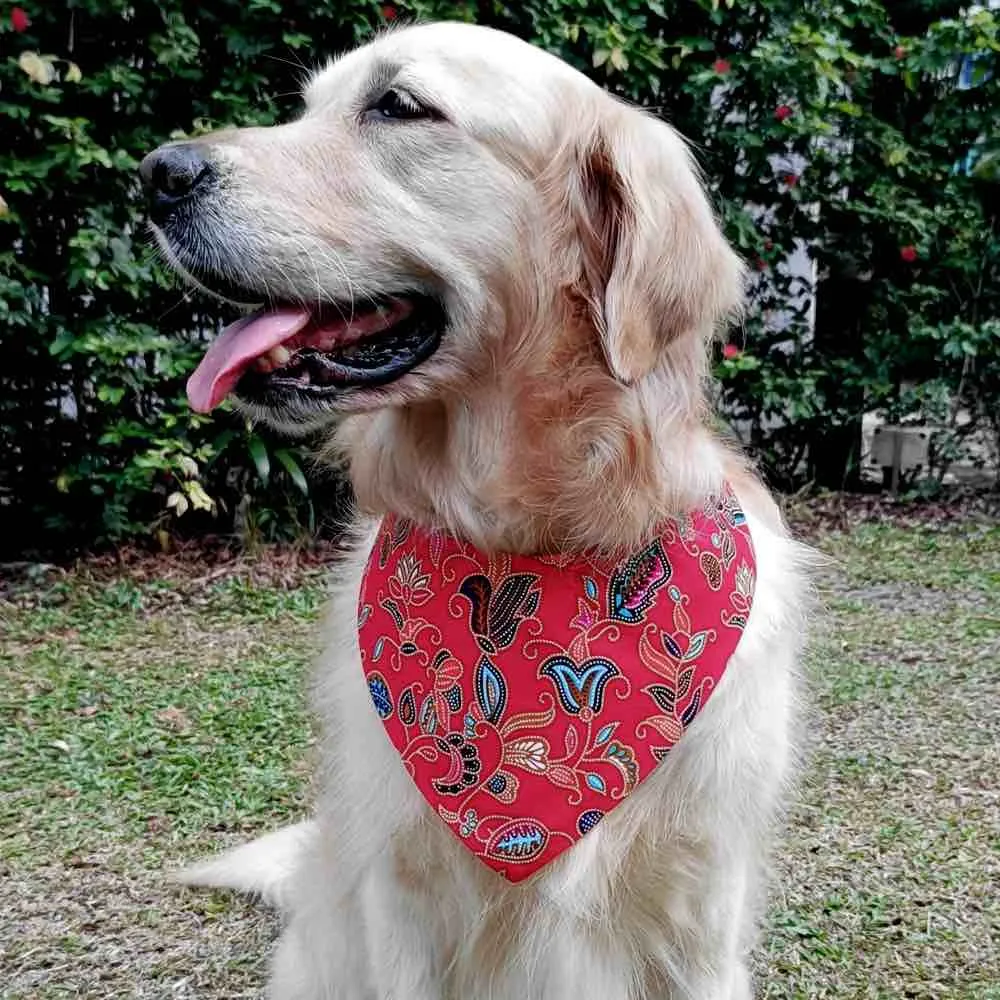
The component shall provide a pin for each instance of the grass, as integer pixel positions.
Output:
(888, 883)
(143, 724)
(149, 720)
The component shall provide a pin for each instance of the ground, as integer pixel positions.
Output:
(153, 711)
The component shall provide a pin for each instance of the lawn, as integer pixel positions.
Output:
(154, 712)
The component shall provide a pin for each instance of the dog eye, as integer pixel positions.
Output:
(395, 105)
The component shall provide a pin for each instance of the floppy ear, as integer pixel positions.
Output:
(656, 266)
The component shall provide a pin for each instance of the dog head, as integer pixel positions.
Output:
(461, 251)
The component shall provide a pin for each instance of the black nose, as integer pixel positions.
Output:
(172, 174)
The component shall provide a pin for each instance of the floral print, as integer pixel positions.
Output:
(529, 696)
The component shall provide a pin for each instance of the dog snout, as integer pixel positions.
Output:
(173, 174)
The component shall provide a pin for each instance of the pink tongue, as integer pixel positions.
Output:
(235, 349)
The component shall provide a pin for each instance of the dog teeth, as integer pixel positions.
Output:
(277, 357)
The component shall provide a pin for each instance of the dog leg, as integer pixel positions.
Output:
(378, 941)
(323, 955)
(713, 944)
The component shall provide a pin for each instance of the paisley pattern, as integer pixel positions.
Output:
(381, 697)
(527, 697)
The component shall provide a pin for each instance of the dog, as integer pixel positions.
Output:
(493, 287)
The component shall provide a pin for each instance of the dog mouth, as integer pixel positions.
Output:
(282, 352)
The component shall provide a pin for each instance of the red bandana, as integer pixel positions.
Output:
(529, 695)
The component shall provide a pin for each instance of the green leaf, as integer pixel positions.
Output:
(618, 59)
(188, 466)
(62, 344)
(258, 452)
(200, 500)
(178, 503)
(222, 441)
(110, 394)
(293, 469)
(39, 68)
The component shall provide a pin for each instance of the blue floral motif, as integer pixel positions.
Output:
(588, 820)
(381, 695)
(469, 822)
(695, 647)
(579, 686)
(518, 840)
(518, 844)
(605, 734)
(491, 691)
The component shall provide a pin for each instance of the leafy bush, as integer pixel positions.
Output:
(99, 443)
(863, 144)
(856, 131)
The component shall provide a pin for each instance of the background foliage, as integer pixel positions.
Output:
(854, 129)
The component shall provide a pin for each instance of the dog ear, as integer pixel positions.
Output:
(656, 265)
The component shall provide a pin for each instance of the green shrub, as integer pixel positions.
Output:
(98, 340)
(844, 124)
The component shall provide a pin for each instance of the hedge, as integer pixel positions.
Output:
(861, 135)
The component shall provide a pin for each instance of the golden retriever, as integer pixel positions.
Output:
(496, 287)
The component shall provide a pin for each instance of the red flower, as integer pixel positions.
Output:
(721, 66)
(389, 12)
(769, 244)
(899, 52)
(782, 111)
(760, 264)
(19, 19)
(731, 351)
(908, 253)
(791, 180)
